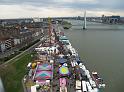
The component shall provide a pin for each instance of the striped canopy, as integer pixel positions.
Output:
(43, 75)
(44, 67)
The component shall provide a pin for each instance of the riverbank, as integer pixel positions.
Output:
(66, 24)
(102, 47)
(13, 73)
(14, 70)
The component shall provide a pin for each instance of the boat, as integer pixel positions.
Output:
(98, 80)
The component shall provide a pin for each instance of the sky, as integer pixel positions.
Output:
(59, 8)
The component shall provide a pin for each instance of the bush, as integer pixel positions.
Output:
(66, 25)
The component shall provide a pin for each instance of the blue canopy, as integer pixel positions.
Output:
(77, 58)
(62, 60)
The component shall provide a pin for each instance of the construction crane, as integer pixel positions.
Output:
(49, 23)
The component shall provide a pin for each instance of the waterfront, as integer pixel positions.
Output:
(102, 46)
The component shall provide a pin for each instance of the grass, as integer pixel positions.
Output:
(66, 25)
(12, 74)
(2, 60)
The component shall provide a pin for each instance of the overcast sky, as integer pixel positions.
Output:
(59, 8)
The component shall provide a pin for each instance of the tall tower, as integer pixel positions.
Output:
(84, 27)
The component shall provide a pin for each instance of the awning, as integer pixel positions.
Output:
(43, 75)
(62, 60)
(44, 67)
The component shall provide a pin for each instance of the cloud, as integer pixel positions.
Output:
(90, 4)
(74, 1)
(21, 11)
(45, 8)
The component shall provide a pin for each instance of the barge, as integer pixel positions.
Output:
(98, 80)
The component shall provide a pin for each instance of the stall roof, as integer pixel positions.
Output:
(63, 38)
(33, 89)
(78, 84)
(82, 72)
(44, 67)
(63, 70)
(62, 82)
(43, 75)
(62, 60)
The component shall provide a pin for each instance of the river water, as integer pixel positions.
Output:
(102, 48)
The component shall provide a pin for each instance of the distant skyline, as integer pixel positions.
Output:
(59, 8)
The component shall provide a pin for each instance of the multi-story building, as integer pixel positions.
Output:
(16, 36)
(110, 19)
(5, 44)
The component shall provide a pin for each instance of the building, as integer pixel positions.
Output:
(13, 37)
(5, 44)
(36, 19)
(110, 19)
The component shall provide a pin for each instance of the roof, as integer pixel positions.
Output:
(4, 38)
(44, 67)
(44, 82)
(62, 60)
(78, 84)
(66, 42)
(63, 38)
(43, 75)
(82, 72)
(33, 89)
(44, 71)
(62, 81)
(63, 70)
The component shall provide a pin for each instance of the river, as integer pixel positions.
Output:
(102, 48)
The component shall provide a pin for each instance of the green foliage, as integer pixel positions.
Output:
(26, 47)
(66, 25)
(13, 73)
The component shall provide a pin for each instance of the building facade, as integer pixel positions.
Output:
(5, 44)
(110, 19)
